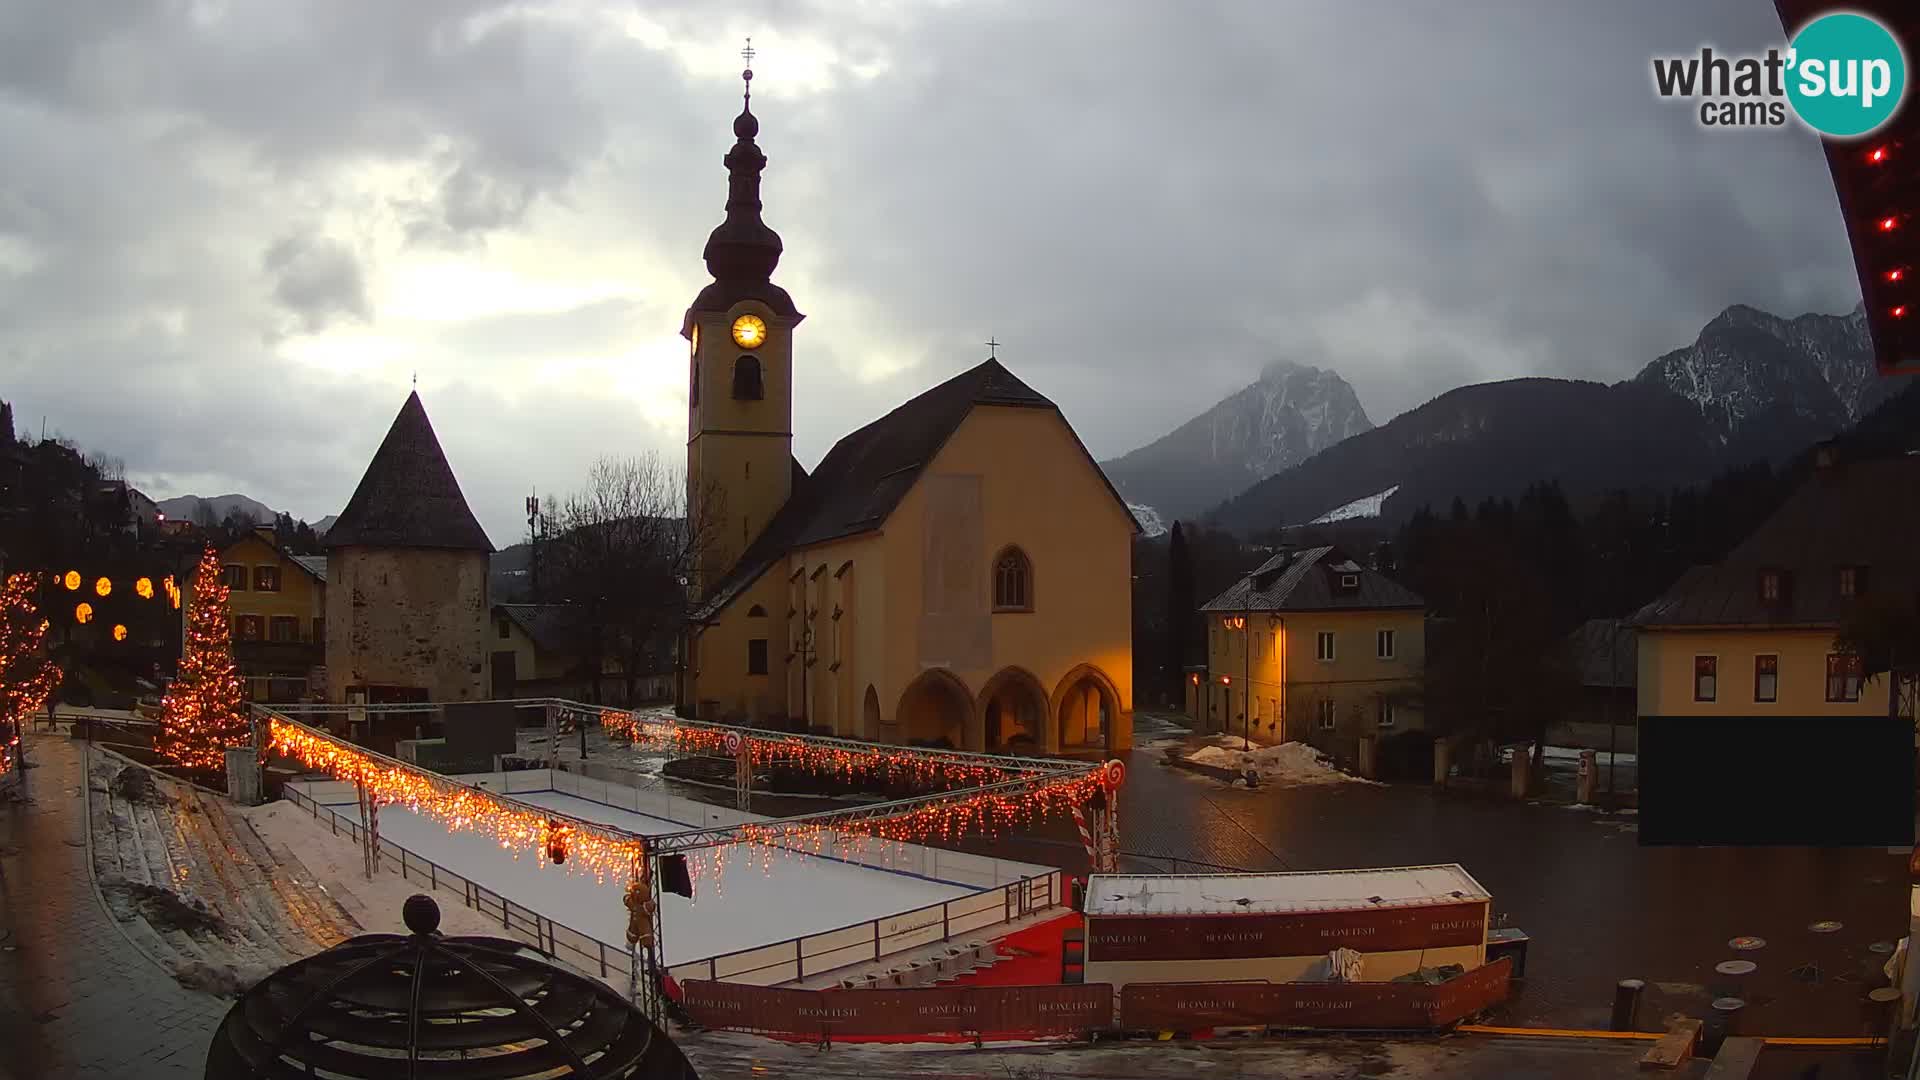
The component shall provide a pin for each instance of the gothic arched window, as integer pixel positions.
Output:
(746, 379)
(1012, 581)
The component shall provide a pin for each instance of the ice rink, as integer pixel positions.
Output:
(754, 904)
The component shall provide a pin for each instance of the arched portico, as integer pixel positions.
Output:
(1086, 706)
(1013, 713)
(935, 707)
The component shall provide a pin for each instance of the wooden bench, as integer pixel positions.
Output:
(1674, 1048)
(1736, 1059)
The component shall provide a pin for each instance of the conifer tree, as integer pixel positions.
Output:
(205, 709)
(28, 676)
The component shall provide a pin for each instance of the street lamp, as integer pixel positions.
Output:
(803, 650)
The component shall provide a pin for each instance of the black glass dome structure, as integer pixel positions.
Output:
(392, 1006)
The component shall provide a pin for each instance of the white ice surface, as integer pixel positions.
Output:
(754, 904)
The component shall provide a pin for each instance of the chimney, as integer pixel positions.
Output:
(265, 532)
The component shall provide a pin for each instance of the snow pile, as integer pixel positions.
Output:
(1283, 763)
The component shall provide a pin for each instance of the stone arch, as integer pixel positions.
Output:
(935, 707)
(1013, 713)
(870, 714)
(1086, 706)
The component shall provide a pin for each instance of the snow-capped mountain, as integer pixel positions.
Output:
(1814, 371)
(1290, 414)
(1148, 519)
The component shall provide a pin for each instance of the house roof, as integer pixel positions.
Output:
(408, 497)
(866, 474)
(315, 565)
(1602, 652)
(545, 624)
(1860, 514)
(312, 564)
(1305, 580)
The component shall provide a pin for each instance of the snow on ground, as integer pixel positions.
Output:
(1367, 507)
(1283, 763)
(754, 903)
(1568, 757)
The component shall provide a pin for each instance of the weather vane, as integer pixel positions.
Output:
(993, 348)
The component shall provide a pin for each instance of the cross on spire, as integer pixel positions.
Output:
(746, 75)
(993, 348)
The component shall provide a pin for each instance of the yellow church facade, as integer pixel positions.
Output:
(958, 572)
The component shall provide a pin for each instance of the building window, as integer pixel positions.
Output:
(1349, 582)
(1769, 586)
(1383, 644)
(1012, 581)
(1845, 673)
(235, 576)
(1323, 645)
(1766, 678)
(320, 631)
(1384, 714)
(247, 627)
(746, 379)
(1329, 714)
(283, 628)
(1851, 582)
(503, 630)
(757, 656)
(1706, 670)
(266, 579)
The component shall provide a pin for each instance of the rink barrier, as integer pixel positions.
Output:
(762, 965)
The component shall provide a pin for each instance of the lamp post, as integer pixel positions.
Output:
(803, 650)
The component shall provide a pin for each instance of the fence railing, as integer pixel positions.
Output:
(580, 951)
(765, 965)
(875, 939)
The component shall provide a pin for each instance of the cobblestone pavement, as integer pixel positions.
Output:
(75, 999)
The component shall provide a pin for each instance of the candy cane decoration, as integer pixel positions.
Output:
(1086, 836)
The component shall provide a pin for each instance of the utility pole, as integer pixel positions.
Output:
(533, 542)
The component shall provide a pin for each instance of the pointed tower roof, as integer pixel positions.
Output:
(408, 497)
(743, 251)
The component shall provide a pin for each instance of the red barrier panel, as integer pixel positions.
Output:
(1388, 1006)
(1038, 1009)
(1222, 937)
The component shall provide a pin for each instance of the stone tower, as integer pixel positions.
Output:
(740, 380)
(407, 610)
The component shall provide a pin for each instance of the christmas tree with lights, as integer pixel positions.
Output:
(204, 712)
(28, 676)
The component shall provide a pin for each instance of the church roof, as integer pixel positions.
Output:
(408, 497)
(866, 474)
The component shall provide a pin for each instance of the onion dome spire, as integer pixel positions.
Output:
(743, 248)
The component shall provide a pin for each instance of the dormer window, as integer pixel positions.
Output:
(1349, 582)
(1851, 582)
(1771, 586)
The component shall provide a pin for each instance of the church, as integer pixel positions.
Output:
(956, 573)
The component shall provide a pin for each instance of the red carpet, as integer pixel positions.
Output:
(1030, 957)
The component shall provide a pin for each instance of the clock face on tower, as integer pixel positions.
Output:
(749, 331)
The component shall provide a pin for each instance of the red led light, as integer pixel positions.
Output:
(1878, 155)
(1899, 311)
(1898, 273)
(1888, 224)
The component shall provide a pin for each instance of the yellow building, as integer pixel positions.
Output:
(279, 606)
(1754, 634)
(1311, 647)
(958, 571)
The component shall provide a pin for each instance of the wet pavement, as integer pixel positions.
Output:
(76, 999)
(1597, 905)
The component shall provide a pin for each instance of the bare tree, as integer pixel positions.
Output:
(620, 553)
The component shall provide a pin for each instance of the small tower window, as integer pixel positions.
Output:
(746, 379)
(1012, 581)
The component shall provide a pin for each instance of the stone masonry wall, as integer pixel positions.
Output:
(407, 617)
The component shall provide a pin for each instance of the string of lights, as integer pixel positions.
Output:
(204, 711)
(27, 675)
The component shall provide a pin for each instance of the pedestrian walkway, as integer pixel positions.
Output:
(76, 999)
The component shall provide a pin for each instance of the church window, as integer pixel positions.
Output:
(1012, 581)
(746, 379)
(757, 656)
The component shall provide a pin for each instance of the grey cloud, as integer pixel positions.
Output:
(1147, 202)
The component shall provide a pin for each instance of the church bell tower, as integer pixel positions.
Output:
(740, 371)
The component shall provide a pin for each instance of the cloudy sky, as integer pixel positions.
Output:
(231, 231)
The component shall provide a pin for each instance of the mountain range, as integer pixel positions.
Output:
(1289, 414)
(1752, 386)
